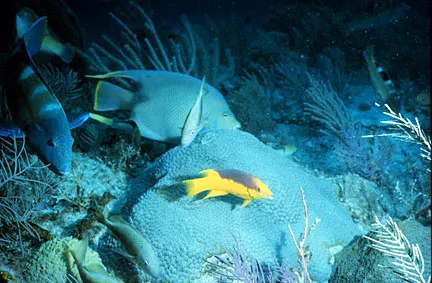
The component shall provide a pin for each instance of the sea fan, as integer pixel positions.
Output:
(408, 263)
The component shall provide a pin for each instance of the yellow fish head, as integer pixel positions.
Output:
(260, 190)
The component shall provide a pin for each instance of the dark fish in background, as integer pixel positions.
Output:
(34, 108)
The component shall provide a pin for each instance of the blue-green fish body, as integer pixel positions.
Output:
(34, 107)
(135, 247)
(162, 102)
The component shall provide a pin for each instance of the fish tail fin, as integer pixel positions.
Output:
(34, 36)
(109, 96)
(51, 45)
(102, 216)
(194, 187)
(79, 252)
(199, 185)
(368, 53)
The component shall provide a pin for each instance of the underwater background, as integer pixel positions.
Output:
(215, 141)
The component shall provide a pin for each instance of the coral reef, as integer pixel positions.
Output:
(52, 262)
(176, 226)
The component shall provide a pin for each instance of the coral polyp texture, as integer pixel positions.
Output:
(183, 230)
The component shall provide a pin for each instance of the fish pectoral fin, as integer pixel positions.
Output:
(246, 202)
(10, 129)
(79, 121)
(136, 136)
(125, 254)
(214, 193)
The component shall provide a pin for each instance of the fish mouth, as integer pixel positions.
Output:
(58, 171)
(237, 126)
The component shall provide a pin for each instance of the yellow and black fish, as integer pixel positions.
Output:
(228, 181)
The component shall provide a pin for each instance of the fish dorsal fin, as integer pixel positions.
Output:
(117, 219)
(209, 173)
(127, 74)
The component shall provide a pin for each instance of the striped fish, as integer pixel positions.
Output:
(34, 107)
(381, 82)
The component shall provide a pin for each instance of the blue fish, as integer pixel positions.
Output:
(35, 110)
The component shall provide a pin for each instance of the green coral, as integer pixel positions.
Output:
(53, 263)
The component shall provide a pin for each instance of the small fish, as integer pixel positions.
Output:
(193, 122)
(49, 43)
(161, 102)
(35, 109)
(380, 79)
(289, 149)
(228, 181)
(135, 247)
(92, 273)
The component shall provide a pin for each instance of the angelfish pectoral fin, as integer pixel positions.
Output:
(214, 193)
(136, 136)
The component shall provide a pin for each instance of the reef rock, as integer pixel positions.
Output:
(184, 231)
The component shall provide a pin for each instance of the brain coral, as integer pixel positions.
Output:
(184, 230)
(52, 262)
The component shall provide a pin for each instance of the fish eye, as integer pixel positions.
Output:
(225, 114)
(51, 142)
(145, 262)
